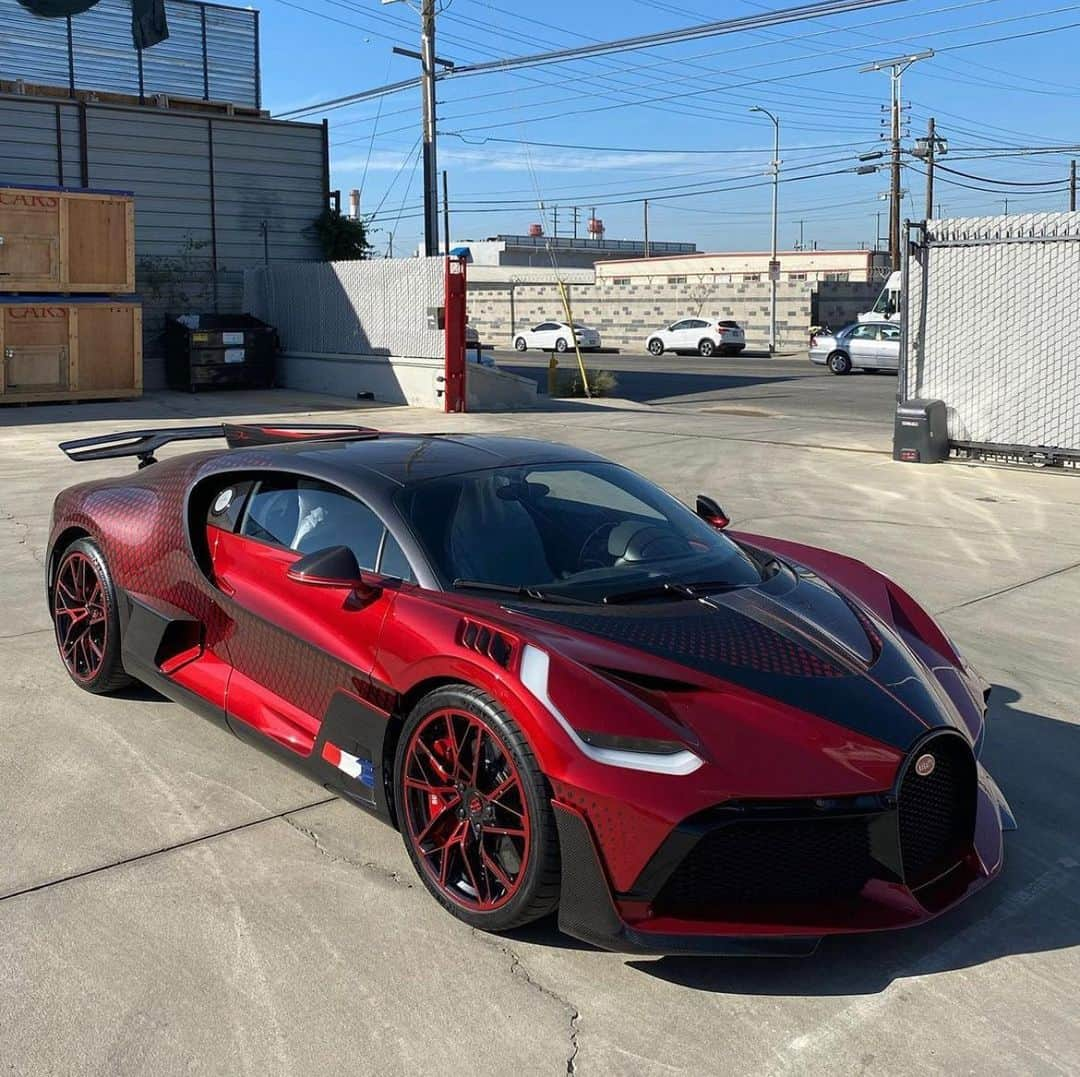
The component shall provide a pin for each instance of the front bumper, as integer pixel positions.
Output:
(631, 923)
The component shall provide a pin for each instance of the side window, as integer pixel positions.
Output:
(679, 325)
(865, 332)
(306, 515)
(699, 324)
(227, 504)
(271, 512)
(890, 332)
(393, 562)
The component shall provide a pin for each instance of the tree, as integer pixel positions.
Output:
(343, 239)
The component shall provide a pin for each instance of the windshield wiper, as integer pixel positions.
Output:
(518, 591)
(670, 590)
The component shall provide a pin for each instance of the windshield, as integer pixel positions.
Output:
(579, 531)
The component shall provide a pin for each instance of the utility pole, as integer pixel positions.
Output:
(647, 227)
(802, 243)
(896, 67)
(427, 89)
(930, 138)
(445, 215)
(928, 149)
(774, 264)
(1006, 201)
(1072, 184)
(577, 210)
(428, 60)
(554, 222)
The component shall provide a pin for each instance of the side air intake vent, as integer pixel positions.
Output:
(487, 641)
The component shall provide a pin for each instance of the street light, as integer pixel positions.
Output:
(774, 265)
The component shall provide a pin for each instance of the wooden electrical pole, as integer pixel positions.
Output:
(647, 227)
(930, 140)
(1072, 184)
(431, 169)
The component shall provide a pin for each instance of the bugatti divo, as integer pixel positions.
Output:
(566, 689)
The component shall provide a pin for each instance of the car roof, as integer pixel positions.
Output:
(403, 459)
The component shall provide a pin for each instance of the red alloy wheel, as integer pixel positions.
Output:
(465, 810)
(80, 616)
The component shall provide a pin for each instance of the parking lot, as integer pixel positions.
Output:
(173, 902)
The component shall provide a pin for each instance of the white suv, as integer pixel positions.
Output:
(698, 335)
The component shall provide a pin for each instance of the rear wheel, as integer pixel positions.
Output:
(706, 348)
(86, 619)
(520, 344)
(656, 347)
(839, 363)
(561, 345)
(475, 811)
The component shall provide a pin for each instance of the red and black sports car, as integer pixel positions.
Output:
(566, 689)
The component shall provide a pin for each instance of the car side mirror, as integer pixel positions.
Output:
(711, 512)
(335, 566)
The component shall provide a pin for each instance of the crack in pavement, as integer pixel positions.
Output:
(1010, 588)
(152, 853)
(517, 968)
(336, 858)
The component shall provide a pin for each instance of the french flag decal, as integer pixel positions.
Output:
(363, 770)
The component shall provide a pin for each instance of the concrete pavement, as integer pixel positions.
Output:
(174, 902)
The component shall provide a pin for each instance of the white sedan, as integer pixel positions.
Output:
(698, 335)
(557, 336)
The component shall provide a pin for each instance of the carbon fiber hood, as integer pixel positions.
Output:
(795, 639)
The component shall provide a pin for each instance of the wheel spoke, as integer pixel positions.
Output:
(492, 865)
(438, 817)
(506, 831)
(466, 860)
(427, 787)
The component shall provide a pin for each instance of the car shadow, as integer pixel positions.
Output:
(1031, 908)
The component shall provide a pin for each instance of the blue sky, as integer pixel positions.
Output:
(646, 116)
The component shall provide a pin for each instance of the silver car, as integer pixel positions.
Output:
(862, 346)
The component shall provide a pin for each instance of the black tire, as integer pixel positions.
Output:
(706, 349)
(561, 345)
(79, 639)
(520, 344)
(536, 891)
(655, 347)
(839, 363)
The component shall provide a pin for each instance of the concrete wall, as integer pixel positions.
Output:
(626, 314)
(391, 379)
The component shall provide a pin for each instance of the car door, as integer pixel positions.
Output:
(543, 336)
(295, 645)
(677, 334)
(863, 345)
(889, 347)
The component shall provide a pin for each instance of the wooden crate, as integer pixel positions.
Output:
(56, 240)
(54, 349)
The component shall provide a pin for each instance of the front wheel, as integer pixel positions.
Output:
(839, 363)
(656, 347)
(706, 349)
(561, 345)
(86, 619)
(520, 344)
(475, 811)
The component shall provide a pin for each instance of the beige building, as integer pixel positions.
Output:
(733, 267)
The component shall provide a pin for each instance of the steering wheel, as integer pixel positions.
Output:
(600, 557)
(632, 541)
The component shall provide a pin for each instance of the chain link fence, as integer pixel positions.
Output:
(993, 330)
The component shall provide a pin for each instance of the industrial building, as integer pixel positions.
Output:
(219, 187)
(568, 252)
(734, 267)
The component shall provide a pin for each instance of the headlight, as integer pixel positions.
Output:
(633, 753)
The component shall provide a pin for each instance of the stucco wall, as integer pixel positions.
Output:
(625, 314)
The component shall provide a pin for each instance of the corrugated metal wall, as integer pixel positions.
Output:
(263, 171)
(102, 55)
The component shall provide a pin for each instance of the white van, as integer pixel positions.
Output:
(887, 306)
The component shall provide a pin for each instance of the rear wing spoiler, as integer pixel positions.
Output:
(143, 444)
